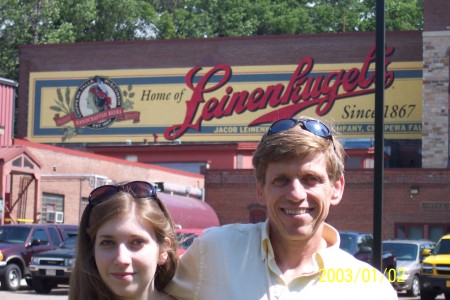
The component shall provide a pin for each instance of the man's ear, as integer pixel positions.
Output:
(163, 255)
(260, 193)
(337, 191)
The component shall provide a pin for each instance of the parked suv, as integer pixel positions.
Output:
(410, 254)
(19, 242)
(360, 246)
(435, 272)
(50, 268)
(185, 238)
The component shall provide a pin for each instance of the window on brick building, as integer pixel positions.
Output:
(17, 162)
(432, 232)
(193, 167)
(353, 163)
(448, 101)
(435, 232)
(257, 213)
(84, 203)
(52, 204)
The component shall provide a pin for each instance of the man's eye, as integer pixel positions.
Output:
(280, 181)
(311, 180)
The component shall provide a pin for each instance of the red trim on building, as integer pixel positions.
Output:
(102, 157)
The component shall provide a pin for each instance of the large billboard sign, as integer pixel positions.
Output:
(221, 103)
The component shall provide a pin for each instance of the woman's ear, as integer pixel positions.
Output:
(163, 255)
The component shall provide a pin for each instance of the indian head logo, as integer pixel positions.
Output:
(98, 98)
(98, 103)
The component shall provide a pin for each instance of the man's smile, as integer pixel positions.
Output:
(300, 211)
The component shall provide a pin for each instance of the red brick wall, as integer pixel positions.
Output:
(436, 15)
(231, 192)
(187, 53)
(69, 167)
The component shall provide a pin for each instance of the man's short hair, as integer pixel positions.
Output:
(298, 143)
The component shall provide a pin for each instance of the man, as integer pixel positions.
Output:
(293, 255)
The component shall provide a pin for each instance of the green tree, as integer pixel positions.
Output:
(68, 21)
(337, 15)
(399, 15)
(283, 17)
(121, 20)
(205, 18)
(221, 18)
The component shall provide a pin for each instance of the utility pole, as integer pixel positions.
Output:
(379, 135)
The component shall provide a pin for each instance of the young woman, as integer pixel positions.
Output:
(126, 245)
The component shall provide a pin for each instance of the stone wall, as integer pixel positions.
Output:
(436, 51)
(435, 151)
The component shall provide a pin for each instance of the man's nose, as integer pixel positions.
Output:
(297, 191)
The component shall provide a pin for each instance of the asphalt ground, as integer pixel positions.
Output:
(26, 293)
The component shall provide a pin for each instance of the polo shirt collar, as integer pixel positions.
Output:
(329, 234)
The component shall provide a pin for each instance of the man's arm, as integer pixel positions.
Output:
(185, 282)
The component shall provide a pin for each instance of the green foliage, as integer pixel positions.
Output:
(399, 15)
(338, 15)
(120, 20)
(67, 21)
(283, 17)
(404, 15)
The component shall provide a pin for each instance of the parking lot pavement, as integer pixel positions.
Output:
(60, 293)
(26, 293)
(402, 296)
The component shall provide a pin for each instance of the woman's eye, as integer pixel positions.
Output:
(138, 242)
(106, 243)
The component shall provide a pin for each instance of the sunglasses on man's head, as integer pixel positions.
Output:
(138, 189)
(315, 127)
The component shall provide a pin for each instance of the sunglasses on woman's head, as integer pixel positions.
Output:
(315, 127)
(138, 189)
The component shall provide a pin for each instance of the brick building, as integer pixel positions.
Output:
(417, 179)
(39, 180)
(436, 89)
(44, 183)
(415, 204)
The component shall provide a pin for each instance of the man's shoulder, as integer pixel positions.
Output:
(340, 258)
(236, 228)
(233, 232)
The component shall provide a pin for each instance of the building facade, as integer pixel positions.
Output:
(415, 205)
(201, 105)
(42, 183)
(436, 89)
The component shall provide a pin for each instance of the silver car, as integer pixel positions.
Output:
(410, 254)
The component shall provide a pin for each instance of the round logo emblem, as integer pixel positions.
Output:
(94, 99)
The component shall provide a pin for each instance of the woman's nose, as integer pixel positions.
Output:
(123, 255)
